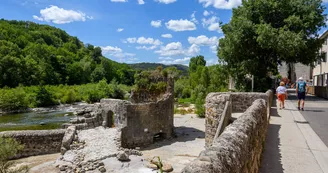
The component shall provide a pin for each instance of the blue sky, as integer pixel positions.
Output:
(131, 31)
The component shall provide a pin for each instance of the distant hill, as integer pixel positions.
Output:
(33, 54)
(152, 66)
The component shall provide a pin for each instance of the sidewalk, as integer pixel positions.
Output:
(291, 145)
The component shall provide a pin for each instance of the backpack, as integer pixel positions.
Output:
(301, 86)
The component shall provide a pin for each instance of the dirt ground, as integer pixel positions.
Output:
(178, 151)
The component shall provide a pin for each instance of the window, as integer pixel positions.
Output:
(324, 57)
(325, 43)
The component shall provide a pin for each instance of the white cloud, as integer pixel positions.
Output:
(166, 1)
(167, 36)
(147, 47)
(206, 13)
(212, 61)
(119, 0)
(176, 61)
(212, 24)
(154, 43)
(221, 4)
(180, 25)
(203, 40)
(130, 40)
(193, 17)
(165, 58)
(120, 29)
(60, 16)
(156, 23)
(111, 50)
(214, 48)
(193, 50)
(143, 40)
(175, 49)
(141, 2)
(37, 18)
(115, 51)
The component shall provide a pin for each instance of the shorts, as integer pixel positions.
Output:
(281, 97)
(301, 96)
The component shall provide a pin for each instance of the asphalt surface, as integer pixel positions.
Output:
(315, 112)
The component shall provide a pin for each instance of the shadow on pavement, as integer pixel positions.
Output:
(182, 134)
(271, 155)
(273, 110)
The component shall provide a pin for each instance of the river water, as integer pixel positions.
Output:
(34, 120)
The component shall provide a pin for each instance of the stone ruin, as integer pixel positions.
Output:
(141, 121)
(125, 127)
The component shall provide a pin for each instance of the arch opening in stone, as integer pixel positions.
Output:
(159, 137)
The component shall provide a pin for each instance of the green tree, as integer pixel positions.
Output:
(264, 33)
(195, 62)
(33, 54)
(205, 77)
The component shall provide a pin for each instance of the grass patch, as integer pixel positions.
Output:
(31, 127)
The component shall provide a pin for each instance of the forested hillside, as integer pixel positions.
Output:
(33, 54)
(152, 66)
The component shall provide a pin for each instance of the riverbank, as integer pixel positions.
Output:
(22, 99)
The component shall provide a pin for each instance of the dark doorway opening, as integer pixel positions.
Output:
(159, 137)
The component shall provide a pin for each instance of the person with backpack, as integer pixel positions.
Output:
(301, 92)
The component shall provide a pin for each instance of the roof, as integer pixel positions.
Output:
(325, 34)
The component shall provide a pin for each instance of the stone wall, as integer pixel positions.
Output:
(119, 109)
(91, 117)
(215, 104)
(37, 142)
(147, 120)
(240, 102)
(238, 148)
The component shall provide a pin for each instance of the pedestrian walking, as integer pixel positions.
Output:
(282, 95)
(301, 93)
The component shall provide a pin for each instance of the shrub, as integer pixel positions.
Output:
(44, 97)
(8, 149)
(186, 92)
(200, 108)
(13, 99)
(69, 97)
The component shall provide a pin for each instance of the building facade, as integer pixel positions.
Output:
(320, 70)
(294, 71)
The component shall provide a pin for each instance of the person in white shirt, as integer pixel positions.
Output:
(282, 95)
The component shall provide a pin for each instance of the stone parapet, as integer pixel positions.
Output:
(239, 102)
(239, 147)
(37, 142)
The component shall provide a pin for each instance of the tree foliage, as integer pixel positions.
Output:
(264, 33)
(33, 54)
(202, 80)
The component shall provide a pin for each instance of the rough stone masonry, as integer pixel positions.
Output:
(238, 148)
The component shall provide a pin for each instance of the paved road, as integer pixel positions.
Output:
(316, 113)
